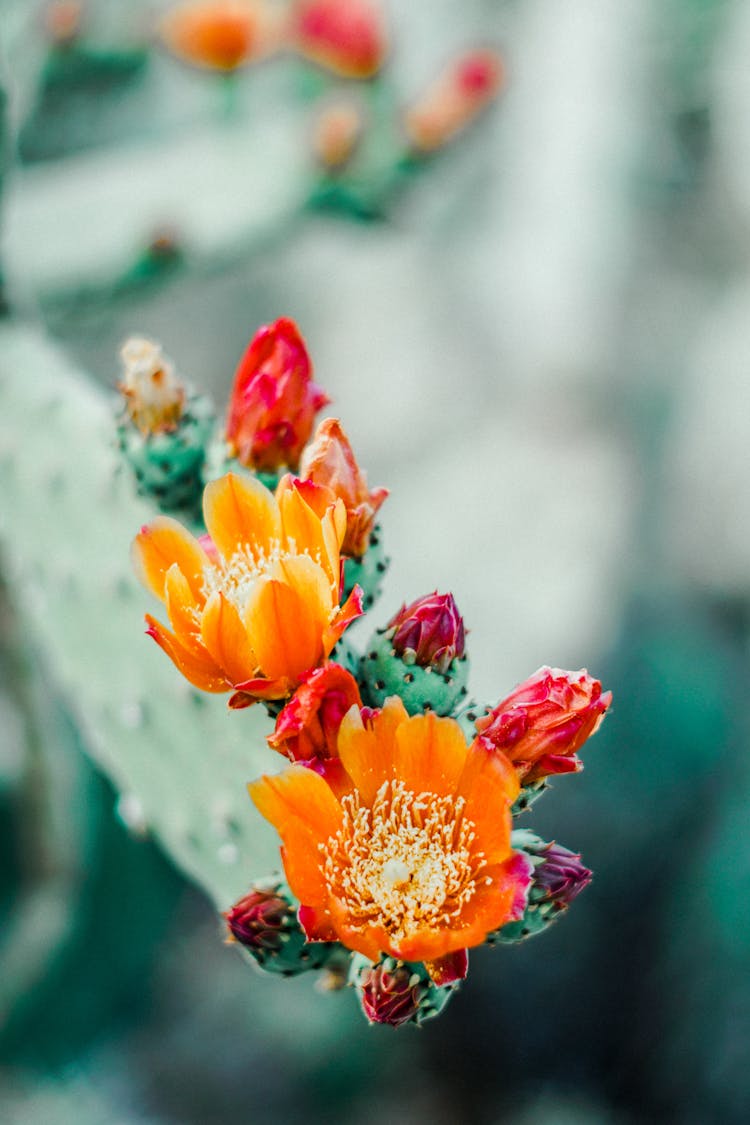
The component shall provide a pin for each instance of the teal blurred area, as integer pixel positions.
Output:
(540, 342)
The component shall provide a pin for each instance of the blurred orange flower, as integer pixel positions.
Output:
(329, 462)
(258, 605)
(345, 36)
(412, 857)
(219, 34)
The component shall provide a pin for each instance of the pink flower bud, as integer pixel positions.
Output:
(390, 994)
(543, 723)
(308, 726)
(454, 99)
(559, 878)
(274, 400)
(329, 462)
(429, 632)
(260, 918)
(345, 36)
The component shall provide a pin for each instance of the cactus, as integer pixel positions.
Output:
(264, 923)
(168, 465)
(179, 758)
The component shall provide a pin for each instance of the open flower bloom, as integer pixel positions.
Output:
(219, 34)
(542, 724)
(345, 36)
(258, 605)
(329, 462)
(452, 102)
(274, 401)
(412, 857)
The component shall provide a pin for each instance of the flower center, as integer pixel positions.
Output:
(236, 577)
(406, 864)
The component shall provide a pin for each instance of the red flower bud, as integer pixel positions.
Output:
(308, 726)
(329, 462)
(430, 631)
(543, 723)
(346, 36)
(274, 400)
(260, 918)
(559, 878)
(390, 995)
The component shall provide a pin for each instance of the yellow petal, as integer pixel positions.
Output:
(161, 543)
(304, 530)
(240, 511)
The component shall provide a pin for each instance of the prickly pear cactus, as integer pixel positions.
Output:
(179, 758)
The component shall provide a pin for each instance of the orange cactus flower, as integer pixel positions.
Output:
(452, 102)
(329, 462)
(260, 606)
(219, 34)
(413, 857)
(345, 36)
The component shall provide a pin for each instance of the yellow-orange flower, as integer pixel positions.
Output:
(220, 34)
(258, 605)
(411, 855)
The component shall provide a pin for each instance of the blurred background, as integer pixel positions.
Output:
(538, 338)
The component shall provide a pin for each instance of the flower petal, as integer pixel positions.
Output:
(489, 785)
(450, 968)
(226, 639)
(304, 526)
(240, 511)
(184, 612)
(284, 630)
(368, 752)
(352, 608)
(201, 671)
(161, 543)
(430, 754)
(296, 798)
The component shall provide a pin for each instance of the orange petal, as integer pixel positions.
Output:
(226, 639)
(297, 798)
(240, 511)
(161, 543)
(368, 753)
(184, 611)
(349, 611)
(430, 754)
(304, 530)
(303, 865)
(201, 671)
(489, 785)
(284, 631)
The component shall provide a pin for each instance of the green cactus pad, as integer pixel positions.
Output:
(384, 673)
(168, 465)
(368, 571)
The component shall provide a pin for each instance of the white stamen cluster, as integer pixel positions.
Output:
(236, 577)
(155, 394)
(406, 864)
